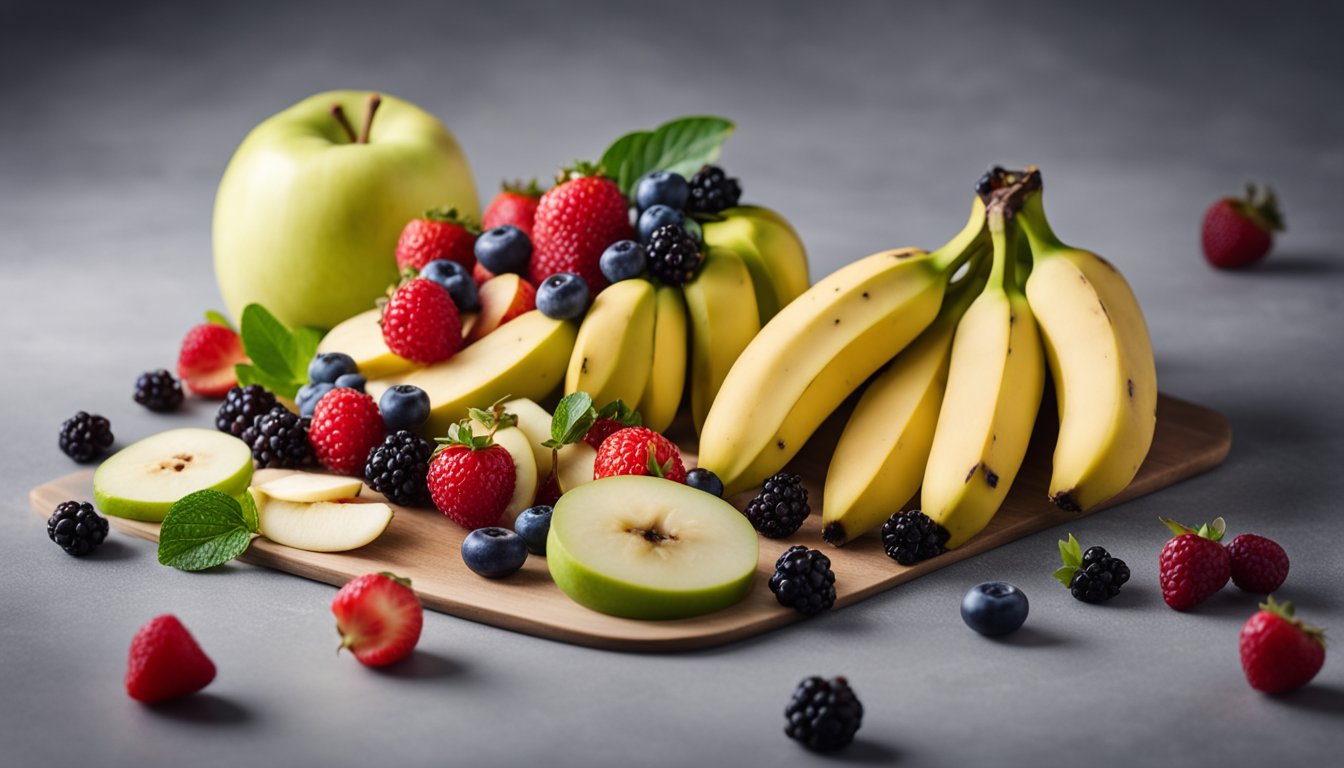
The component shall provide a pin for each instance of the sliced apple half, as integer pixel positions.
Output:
(648, 548)
(310, 487)
(575, 466)
(535, 422)
(503, 297)
(361, 337)
(144, 479)
(321, 526)
(516, 442)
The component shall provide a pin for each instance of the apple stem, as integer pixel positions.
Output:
(339, 113)
(375, 101)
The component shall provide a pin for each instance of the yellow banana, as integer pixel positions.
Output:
(771, 250)
(667, 378)
(722, 311)
(614, 349)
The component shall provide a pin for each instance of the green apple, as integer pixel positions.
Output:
(309, 211)
(321, 526)
(310, 487)
(144, 479)
(648, 548)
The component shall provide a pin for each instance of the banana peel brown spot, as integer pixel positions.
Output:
(1065, 500)
(1130, 383)
(991, 477)
(971, 474)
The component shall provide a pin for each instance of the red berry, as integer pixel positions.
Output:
(346, 426)
(1278, 652)
(516, 205)
(439, 234)
(1238, 232)
(576, 220)
(639, 451)
(1259, 564)
(379, 618)
(1193, 566)
(472, 486)
(205, 362)
(480, 274)
(601, 430)
(421, 322)
(165, 662)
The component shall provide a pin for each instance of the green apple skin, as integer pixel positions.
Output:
(153, 510)
(306, 222)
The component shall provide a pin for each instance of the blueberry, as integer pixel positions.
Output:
(404, 406)
(351, 381)
(622, 260)
(655, 217)
(533, 524)
(457, 280)
(308, 396)
(504, 249)
(662, 188)
(494, 552)
(704, 480)
(328, 366)
(563, 296)
(994, 608)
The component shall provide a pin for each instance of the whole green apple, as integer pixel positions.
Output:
(310, 208)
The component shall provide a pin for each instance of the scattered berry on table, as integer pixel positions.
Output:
(1280, 653)
(655, 218)
(327, 367)
(505, 248)
(355, 381)
(158, 391)
(378, 618)
(563, 296)
(471, 478)
(623, 260)
(404, 406)
(399, 467)
(662, 188)
(823, 715)
(1238, 232)
(421, 322)
(309, 394)
(803, 580)
(780, 508)
(533, 524)
(673, 255)
(242, 405)
(76, 527)
(166, 662)
(439, 234)
(639, 451)
(575, 222)
(279, 439)
(1092, 576)
(455, 279)
(515, 205)
(494, 552)
(704, 480)
(346, 426)
(85, 436)
(712, 191)
(1193, 565)
(911, 536)
(994, 608)
(207, 357)
(1259, 565)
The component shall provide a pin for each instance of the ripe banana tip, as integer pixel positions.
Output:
(1066, 501)
(834, 533)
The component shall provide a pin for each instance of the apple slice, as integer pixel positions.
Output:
(503, 297)
(144, 479)
(649, 548)
(361, 337)
(321, 526)
(468, 322)
(535, 422)
(310, 487)
(576, 466)
(516, 442)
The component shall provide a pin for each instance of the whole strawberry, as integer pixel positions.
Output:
(639, 451)
(1259, 565)
(613, 417)
(1239, 231)
(1278, 652)
(439, 234)
(379, 618)
(421, 322)
(576, 220)
(165, 662)
(515, 204)
(206, 359)
(471, 478)
(1193, 565)
(346, 426)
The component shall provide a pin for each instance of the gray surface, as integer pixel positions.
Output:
(866, 125)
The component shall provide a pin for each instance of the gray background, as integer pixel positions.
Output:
(865, 123)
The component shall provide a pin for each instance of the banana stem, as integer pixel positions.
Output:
(958, 250)
(1004, 239)
(1036, 227)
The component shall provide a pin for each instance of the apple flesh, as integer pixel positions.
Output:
(503, 298)
(516, 442)
(144, 479)
(309, 487)
(321, 526)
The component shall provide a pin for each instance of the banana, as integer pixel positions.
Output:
(771, 250)
(994, 385)
(879, 462)
(1101, 362)
(722, 309)
(614, 349)
(818, 350)
(667, 378)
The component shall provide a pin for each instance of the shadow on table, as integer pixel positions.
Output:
(866, 752)
(203, 708)
(424, 665)
(1291, 264)
(1326, 699)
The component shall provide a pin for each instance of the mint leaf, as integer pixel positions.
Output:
(250, 374)
(204, 529)
(249, 506)
(574, 416)
(682, 145)
(618, 410)
(217, 318)
(279, 356)
(305, 349)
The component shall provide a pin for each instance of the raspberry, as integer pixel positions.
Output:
(279, 439)
(421, 322)
(1259, 564)
(242, 406)
(1193, 565)
(158, 391)
(346, 427)
(780, 508)
(76, 527)
(823, 715)
(803, 580)
(85, 436)
(639, 451)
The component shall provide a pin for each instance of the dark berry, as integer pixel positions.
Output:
(911, 536)
(398, 467)
(823, 715)
(712, 191)
(994, 608)
(705, 480)
(456, 280)
(494, 552)
(662, 188)
(328, 366)
(803, 580)
(504, 249)
(242, 405)
(534, 524)
(85, 436)
(279, 438)
(673, 255)
(76, 527)
(1099, 578)
(158, 391)
(655, 218)
(309, 394)
(355, 381)
(622, 260)
(563, 296)
(1259, 564)
(780, 508)
(404, 406)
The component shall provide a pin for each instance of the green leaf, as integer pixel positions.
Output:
(1065, 574)
(618, 410)
(250, 374)
(204, 529)
(682, 146)
(1071, 552)
(279, 356)
(305, 349)
(574, 416)
(217, 318)
(249, 507)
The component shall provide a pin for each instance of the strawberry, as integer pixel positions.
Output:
(1278, 652)
(165, 662)
(613, 417)
(576, 220)
(515, 204)
(471, 478)
(421, 322)
(639, 451)
(379, 618)
(1239, 232)
(1259, 564)
(439, 234)
(346, 426)
(205, 362)
(1193, 565)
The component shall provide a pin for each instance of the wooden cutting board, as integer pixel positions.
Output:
(423, 545)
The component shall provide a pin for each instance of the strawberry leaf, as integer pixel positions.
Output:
(217, 318)
(681, 146)
(619, 411)
(1071, 553)
(1065, 574)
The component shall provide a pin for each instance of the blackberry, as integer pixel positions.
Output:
(1100, 577)
(158, 391)
(712, 191)
(823, 715)
(279, 438)
(780, 508)
(911, 536)
(673, 255)
(398, 468)
(85, 436)
(76, 527)
(803, 580)
(242, 405)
